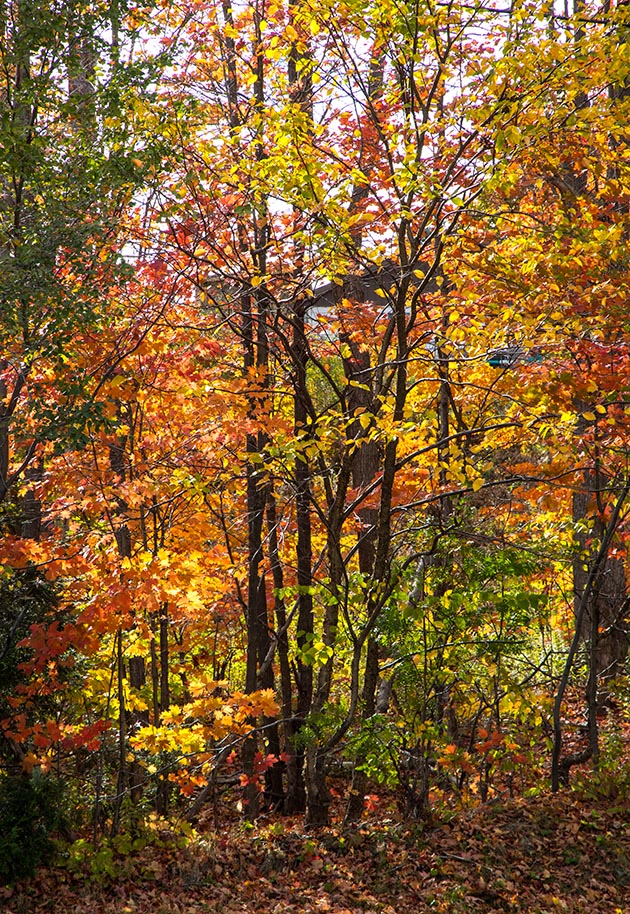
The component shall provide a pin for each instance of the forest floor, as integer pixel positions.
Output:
(569, 852)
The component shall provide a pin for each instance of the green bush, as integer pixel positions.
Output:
(30, 811)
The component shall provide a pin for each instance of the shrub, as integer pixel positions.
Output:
(30, 811)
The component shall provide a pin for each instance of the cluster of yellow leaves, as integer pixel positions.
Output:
(192, 731)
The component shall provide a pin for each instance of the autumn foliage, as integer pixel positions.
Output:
(313, 403)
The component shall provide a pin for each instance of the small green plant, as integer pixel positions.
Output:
(100, 863)
(610, 780)
(374, 749)
(112, 856)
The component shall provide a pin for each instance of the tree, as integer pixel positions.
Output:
(560, 298)
(441, 145)
(337, 375)
(67, 179)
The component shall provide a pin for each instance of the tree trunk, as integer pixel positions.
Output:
(609, 598)
(317, 793)
(296, 796)
(301, 92)
(295, 800)
(354, 809)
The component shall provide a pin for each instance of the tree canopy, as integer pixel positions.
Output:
(313, 400)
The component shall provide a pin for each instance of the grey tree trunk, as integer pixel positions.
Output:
(609, 597)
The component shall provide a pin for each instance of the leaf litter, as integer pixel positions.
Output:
(560, 854)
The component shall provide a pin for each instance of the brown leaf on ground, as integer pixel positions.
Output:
(551, 854)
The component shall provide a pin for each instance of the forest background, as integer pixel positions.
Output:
(313, 425)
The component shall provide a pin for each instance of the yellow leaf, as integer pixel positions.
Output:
(194, 599)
